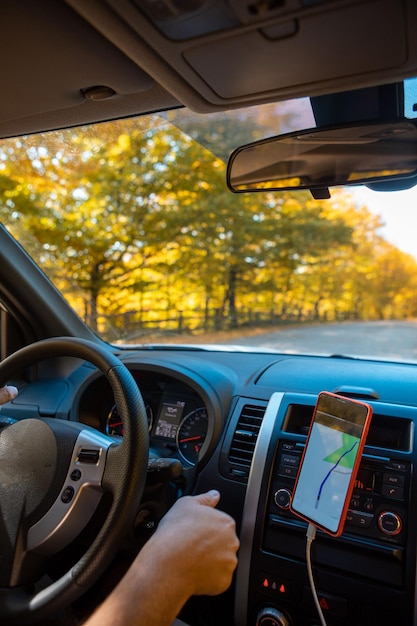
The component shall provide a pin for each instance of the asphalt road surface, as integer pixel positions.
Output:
(382, 339)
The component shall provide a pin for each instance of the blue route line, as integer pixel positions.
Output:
(331, 470)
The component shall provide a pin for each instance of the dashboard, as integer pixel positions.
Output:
(237, 421)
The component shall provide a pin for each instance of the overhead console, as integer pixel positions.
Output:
(350, 44)
(366, 576)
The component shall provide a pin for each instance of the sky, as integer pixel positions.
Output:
(398, 210)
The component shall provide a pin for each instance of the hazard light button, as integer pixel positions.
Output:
(330, 604)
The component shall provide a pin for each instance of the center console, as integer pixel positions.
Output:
(365, 577)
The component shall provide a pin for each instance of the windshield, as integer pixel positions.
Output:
(133, 222)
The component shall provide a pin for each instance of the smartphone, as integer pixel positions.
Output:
(330, 461)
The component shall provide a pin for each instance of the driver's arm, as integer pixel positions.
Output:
(193, 552)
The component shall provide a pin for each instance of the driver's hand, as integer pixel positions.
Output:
(193, 551)
(197, 543)
(7, 393)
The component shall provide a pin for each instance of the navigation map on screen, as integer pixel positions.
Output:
(330, 461)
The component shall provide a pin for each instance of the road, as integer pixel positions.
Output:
(383, 339)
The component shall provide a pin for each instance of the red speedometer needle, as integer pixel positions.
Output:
(190, 439)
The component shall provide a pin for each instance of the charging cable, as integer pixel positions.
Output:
(311, 535)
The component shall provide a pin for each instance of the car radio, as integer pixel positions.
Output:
(378, 507)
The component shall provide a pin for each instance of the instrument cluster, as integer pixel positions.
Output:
(178, 418)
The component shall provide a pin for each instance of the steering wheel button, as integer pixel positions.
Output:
(76, 475)
(67, 495)
(87, 455)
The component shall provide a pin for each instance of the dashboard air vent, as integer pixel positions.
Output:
(244, 439)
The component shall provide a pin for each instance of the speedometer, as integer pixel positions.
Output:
(191, 435)
(114, 425)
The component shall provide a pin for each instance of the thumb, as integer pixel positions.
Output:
(210, 498)
(7, 393)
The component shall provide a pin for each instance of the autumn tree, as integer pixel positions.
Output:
(135, 215)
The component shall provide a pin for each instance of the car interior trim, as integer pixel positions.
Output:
(256, 476)
(78, 499)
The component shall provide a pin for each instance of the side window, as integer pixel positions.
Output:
(3, 324)
(11, 334)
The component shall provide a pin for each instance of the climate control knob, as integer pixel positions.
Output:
(271, 616)
(389, 523)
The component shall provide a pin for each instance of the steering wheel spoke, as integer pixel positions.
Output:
(78, 499)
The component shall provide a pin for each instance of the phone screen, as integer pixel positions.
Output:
(330, 462)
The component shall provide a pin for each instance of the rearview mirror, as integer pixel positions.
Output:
(317, 158)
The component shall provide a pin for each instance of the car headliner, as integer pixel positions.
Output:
(56, 54)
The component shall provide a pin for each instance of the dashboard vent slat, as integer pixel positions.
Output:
(244, 439)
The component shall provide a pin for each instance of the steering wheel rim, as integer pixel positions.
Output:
(124, 476)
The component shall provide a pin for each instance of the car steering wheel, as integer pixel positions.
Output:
(53, 474)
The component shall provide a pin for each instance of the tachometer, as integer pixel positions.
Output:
(191, 435)
(114, 425)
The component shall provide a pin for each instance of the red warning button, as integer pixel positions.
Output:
(330, 604)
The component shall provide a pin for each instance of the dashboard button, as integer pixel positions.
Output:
(397, 480)
(275, 585)
(392, 492)
(359, 519)
(290, 459)
(288, 470)
(368, 506)
(330, 604)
